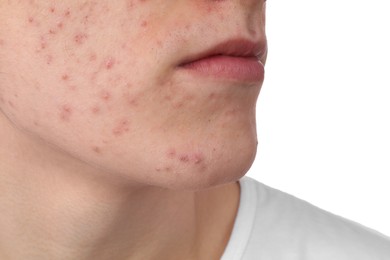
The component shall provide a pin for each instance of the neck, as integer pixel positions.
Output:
(60, 210)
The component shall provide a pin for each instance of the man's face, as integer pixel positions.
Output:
(105, 82)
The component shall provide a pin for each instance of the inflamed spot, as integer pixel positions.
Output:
(105, 95)
(66, 113)
(97, 149)
(109, 63)
(95, 110)
(121, 128)
(80, 38)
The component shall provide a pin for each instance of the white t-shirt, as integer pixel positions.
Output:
(272, 225)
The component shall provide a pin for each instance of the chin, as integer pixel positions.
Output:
(194, 173)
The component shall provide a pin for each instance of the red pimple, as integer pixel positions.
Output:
(72, 87)
(52, 9)
(197, 158)
(65, 113)
(105, 95)
(144, 23)
(92, 57)
(132, 102)
(109, 63)
(95, 110)
(171, 153)
(122, 127)
(97, 149)
(65, 77)
(184, 158)
(178, 105)
(80, 38)
(212, 96)
(67, 13)
(43, 43)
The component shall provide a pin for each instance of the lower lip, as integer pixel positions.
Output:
(247, 69)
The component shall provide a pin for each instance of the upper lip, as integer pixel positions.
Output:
(232, 47)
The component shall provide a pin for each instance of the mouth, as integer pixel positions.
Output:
(237, 59)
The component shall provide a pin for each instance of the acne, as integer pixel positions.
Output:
(212, 96)
(132, 3)
(49, 59)
(121, 127)
(130, 99)
(96, 149)
(95, 110)
(165, 169)
(105, 95)
(171, 153)
(65, 113)
(186, 158)
(109, 63)
(92, 57)
(67, 13)
(65, 77)
(80, 38)
(132, 102)
(144, 24)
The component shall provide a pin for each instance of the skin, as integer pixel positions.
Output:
(109, 150)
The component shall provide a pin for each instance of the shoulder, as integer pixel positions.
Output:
(285, 227)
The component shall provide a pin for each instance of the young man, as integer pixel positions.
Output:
(124, 128)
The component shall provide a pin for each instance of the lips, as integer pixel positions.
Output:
(236, 59)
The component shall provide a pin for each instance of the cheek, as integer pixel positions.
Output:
(75, 69)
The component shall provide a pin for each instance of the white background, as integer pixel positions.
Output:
(324, 110)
